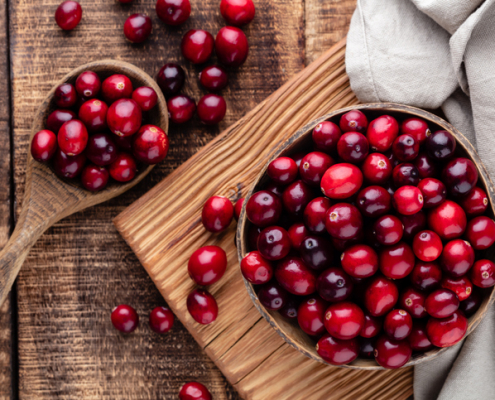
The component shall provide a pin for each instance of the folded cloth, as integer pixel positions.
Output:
(431, 54)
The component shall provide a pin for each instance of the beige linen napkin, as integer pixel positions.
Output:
(430, 54)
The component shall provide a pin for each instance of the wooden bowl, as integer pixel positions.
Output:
(302, 141)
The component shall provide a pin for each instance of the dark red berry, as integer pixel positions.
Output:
(343, 221)
(311, 314)
(297, 233)
(137, 28)
(336, 351)
(366, 347)
(434, 192)
(263, 208)
(146, 97)
(150, 144)
(457, 257)
(57, 118)
(373, 201)
(274, 243)
(405, 147)
(65, 95)
(388, 230)
(475, 203)
(353, 121)
(88, 84)
(427, 246)
(181, 108)
(353, 147)
(426, 276)
(237, 12)
(377, 168)
(231, 46)
(116, 87)
(272, 296)
(480, 232)
(397, 261)
(282, 170)
(313, 166)
(446, 332)
(68, 15)
(197, 46)
(398, 324)
(341, 181)
(295, 277)
(359, 261)
(372, 326)
(441, 303)
(408, 200)
(173, 12)
(207, 265)
(415, 127)
(460, 176)
(124, 117)
(124, 168)
(213, 78)
(483, 273)
(440, 145)
(315, 213)
(296, 197)
(238, 208)
(101, 149)
(334, 285)
(392, 354)
(471, 304)
(194, 390)
(290, 309)
(426, 166)
(202, 306)
(161, 320)
(94, 177)
(217, 214)
(462, 286)
(413, 301)
(171, 78)
(413, 224)
(405, 174)
(382, 132)
(72, 138)
(418, 339)
(448, 220)
(256, 269)
(380, 296)
(211, 109)
(326, 135)
(125, 318)
(344, 320)
(66, 166)
(43, 145)
(93, 113)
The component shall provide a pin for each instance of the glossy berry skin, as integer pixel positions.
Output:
(316, 251)
(480, 232)
(124, 168)
(326, 136)
(373, 201)
(382, 132)
(441, 303)
(213, 78)
(398, 324)
(72, 138)
(483, 273)
(462, 286)
(313, 166)
(388, 230)
(427, 246)
(297, 233)
(315, 214)
(274, 243)
(408, 200)
(296, 197)
(207, 265)
(282, 170)
(93, 113)
(415, 127)
(161, 320)
(405, 174)
(334, 285)
(353, 121)
(471, 304)
(344, 320)
(359, 261)
(237, 12)
(231, 46)
(116, 87)
(377, 169)
(65, 95)
(57, 118)
(290, 309)
(94, 177)
(426, 166)
(66, 166)
(353, 147)
(475, 202)
(171, 78)
(194, 391)
(238, 208)
(272, 296)
(343, 221)
(457, 257)
(146, 97)
(405, 147)
(434, 192)
(173, 12)
(217, 214)
(336, 351)
(413, 301)
(310, 316)
(397, 261)
(440, 145)
(88, 84)
(341, 181)
(392, 354)
(448, 220)
(380, 296)
(101, 149)
(124, 318)
(372, 326)
(124, 117)
(446, 332)
(460, 176)
(263, 208)
(366, 347)
(413, 224)
(256, 269)
(202, 306)
(43, 145)
(418, 340)
(295, 277)
(211, 109)
(68, 15)
(181, 108)
(197, 46)
(150, 145)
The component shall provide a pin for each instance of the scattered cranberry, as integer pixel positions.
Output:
(405, 147)
(101, 149)
(116, 87)
(125, 318)
(296, 197)
(373, 201)
(171, 78)
(202, 306)
(272, 296)
(448, 331)
(448, 220)
(181, 108)
(297, 233)
(483, 273)
(440, 145)
(341, 181)
(388, 230)
(65, 95)
(382, 132)
(415, 127)
(462, 286)
(377, 168)
(217, 214)
(57, 118)
(413, 301)
(418, 339)
(213, 78)
(427, 246)
(150, 144)
(413, 224)
(326, 136)
(93, 113)
(274, 243)
(460, 176)
(310, 316)
(173, 12)
(68, 15)
(475, 202)
(197, 46)
(360, 261)
(207, 265)
(194, 390)
(334, 285)
(380, 296)
(434, 192)
(397, 261)
(124, 168)
(336, 351)
(256, 269)
(316, 252)
(405, 174)
(344, 320)
(480, 232)
(237, 12)
(66, 166)
(398, 324)
(145, 97)
(161, 320)
(211, 109)
(353, 147)
(72, 138)
(471, 304)
(238, 208)
(426, 166)
(263, 208)
(43, 145)
(94, 177)
(343, 221)
(390, 353)
(457, 257)
(282, 170)
(88, 84)
(372, 326)
(231, 46)
(353, 121)
(408, 200)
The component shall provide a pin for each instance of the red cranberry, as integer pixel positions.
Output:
(441, 303)
(426, 276)
(434, 192)
(359, 261)
(440, 145)
(44, 145)
(413, 301)
(116, 87)
(217, 214)
(194, 390)
(256, 269)
(231, 46)
(65, 95)
(277, 190)
(483, 274)
(353, 147)
(427, 246)
(211, 109)
(150, 144)
(88, 84)
(460, 176)
(101, 149)
(334, 285)
(171, 77)
(426, 166)
(372, 326)
(237, 12)
(344, 320)
(197, 46)
(297, 233)
(207, 265)
(316, 252)
(418, 340)
(161, 319)
(457, 257)
(295, 277)
(137, 28)
(408, 200)
(173, 12)
(336, 351)
(310, 316)
(343, 221)
(382, 132)
(405, 147)
(124, 318)
(66, 166)
(462, 286)
(471, 304)
(475, 203)
(448, 220)
(397, 261)
(68, 15)
(202, 306)
(124, 168)
(94, 177)
(480, 232)
(315, 213)
(263, 208)
(405, 174)
(415, 127)
(93, 113)
(413, 224)
(124, 117)
(72, 138)
(392, 354)
(181, 108)
(274, 243)
(448, 331)
(398, 324)
(341, 245)
(146, 97)
(238, 208)
(353, 121)
(282, 170)
(272, 296)
(380, 296)
(326, 135)
(341, 181)
(296, 197)
(388, 230)
(366, 347)
(213, 78)
(290, 309)
(313, 166)
(57, 118)
(252, 237)
(373, 201)
(377, 168)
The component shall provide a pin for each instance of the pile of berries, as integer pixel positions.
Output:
(373, 240)
(96, 131)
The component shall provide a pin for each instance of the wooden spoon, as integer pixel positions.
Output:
(47, 198)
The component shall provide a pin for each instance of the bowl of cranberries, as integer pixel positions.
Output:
(367, 240)
(103, 126)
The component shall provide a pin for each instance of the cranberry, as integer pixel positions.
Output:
(290, 309)
(150, 144)
(341, 181)
(405, 147)
(194, 391)
(252, 237)
(373, 201)
(171, 78)
(137, 28)
(448, 331)
(213, 78)
(217, 214)
(405, 174)
(88, 84)
(413, 224)
(274, 243)
(72, 138)
(342, 245)
(483, 274)
(380, 296)
(116, 87)
(197, 46)
(343, 221)
(440, 145)
(123, 143)
(415, 127)
(272, 296)
(297, 233)
(101, 149)
(475, 202)
(66, 166)
(372, 326)
(282, 170)
(295, 277)
(68, 15)
(413, 301)
(93, 113)
(146, 97)
(238, 208)
(181, 108)
(237, 12)
(211, 109)
(202, 306)
(57, 118)
(277, 190)
(314, 214)
(44, 145)
(336, 351)
(124, 117)
(231, 46)
(263, 208)
(313, 166)
(173, 12)
(471, 304)
(408, 200)
(125, 318)
(382, 132)
(462, 286)
(448, 220)
(344, 320)
(398, 324)
(334, 285)
(296, 197)
(366, 347)
(65, 95)
(441, 303)
(124, 168)
(480, 232)
(427, 246)
(94, 177)
(353, 147)
(426, 276)
(207, 265)
(434, 192)
(397, 261)
(353, 121)
(457, 257)
(388, 230)
(161, 319)
(460, 176)
(256, 269)
(418, 339)
(360, 261)
(392, 354)
(316, 252)
(310, 316)
(326, 135)
(377, 168)
(425, 165)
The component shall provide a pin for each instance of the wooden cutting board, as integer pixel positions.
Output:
(164, 228)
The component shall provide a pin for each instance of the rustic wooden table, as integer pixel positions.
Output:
(56, 339)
